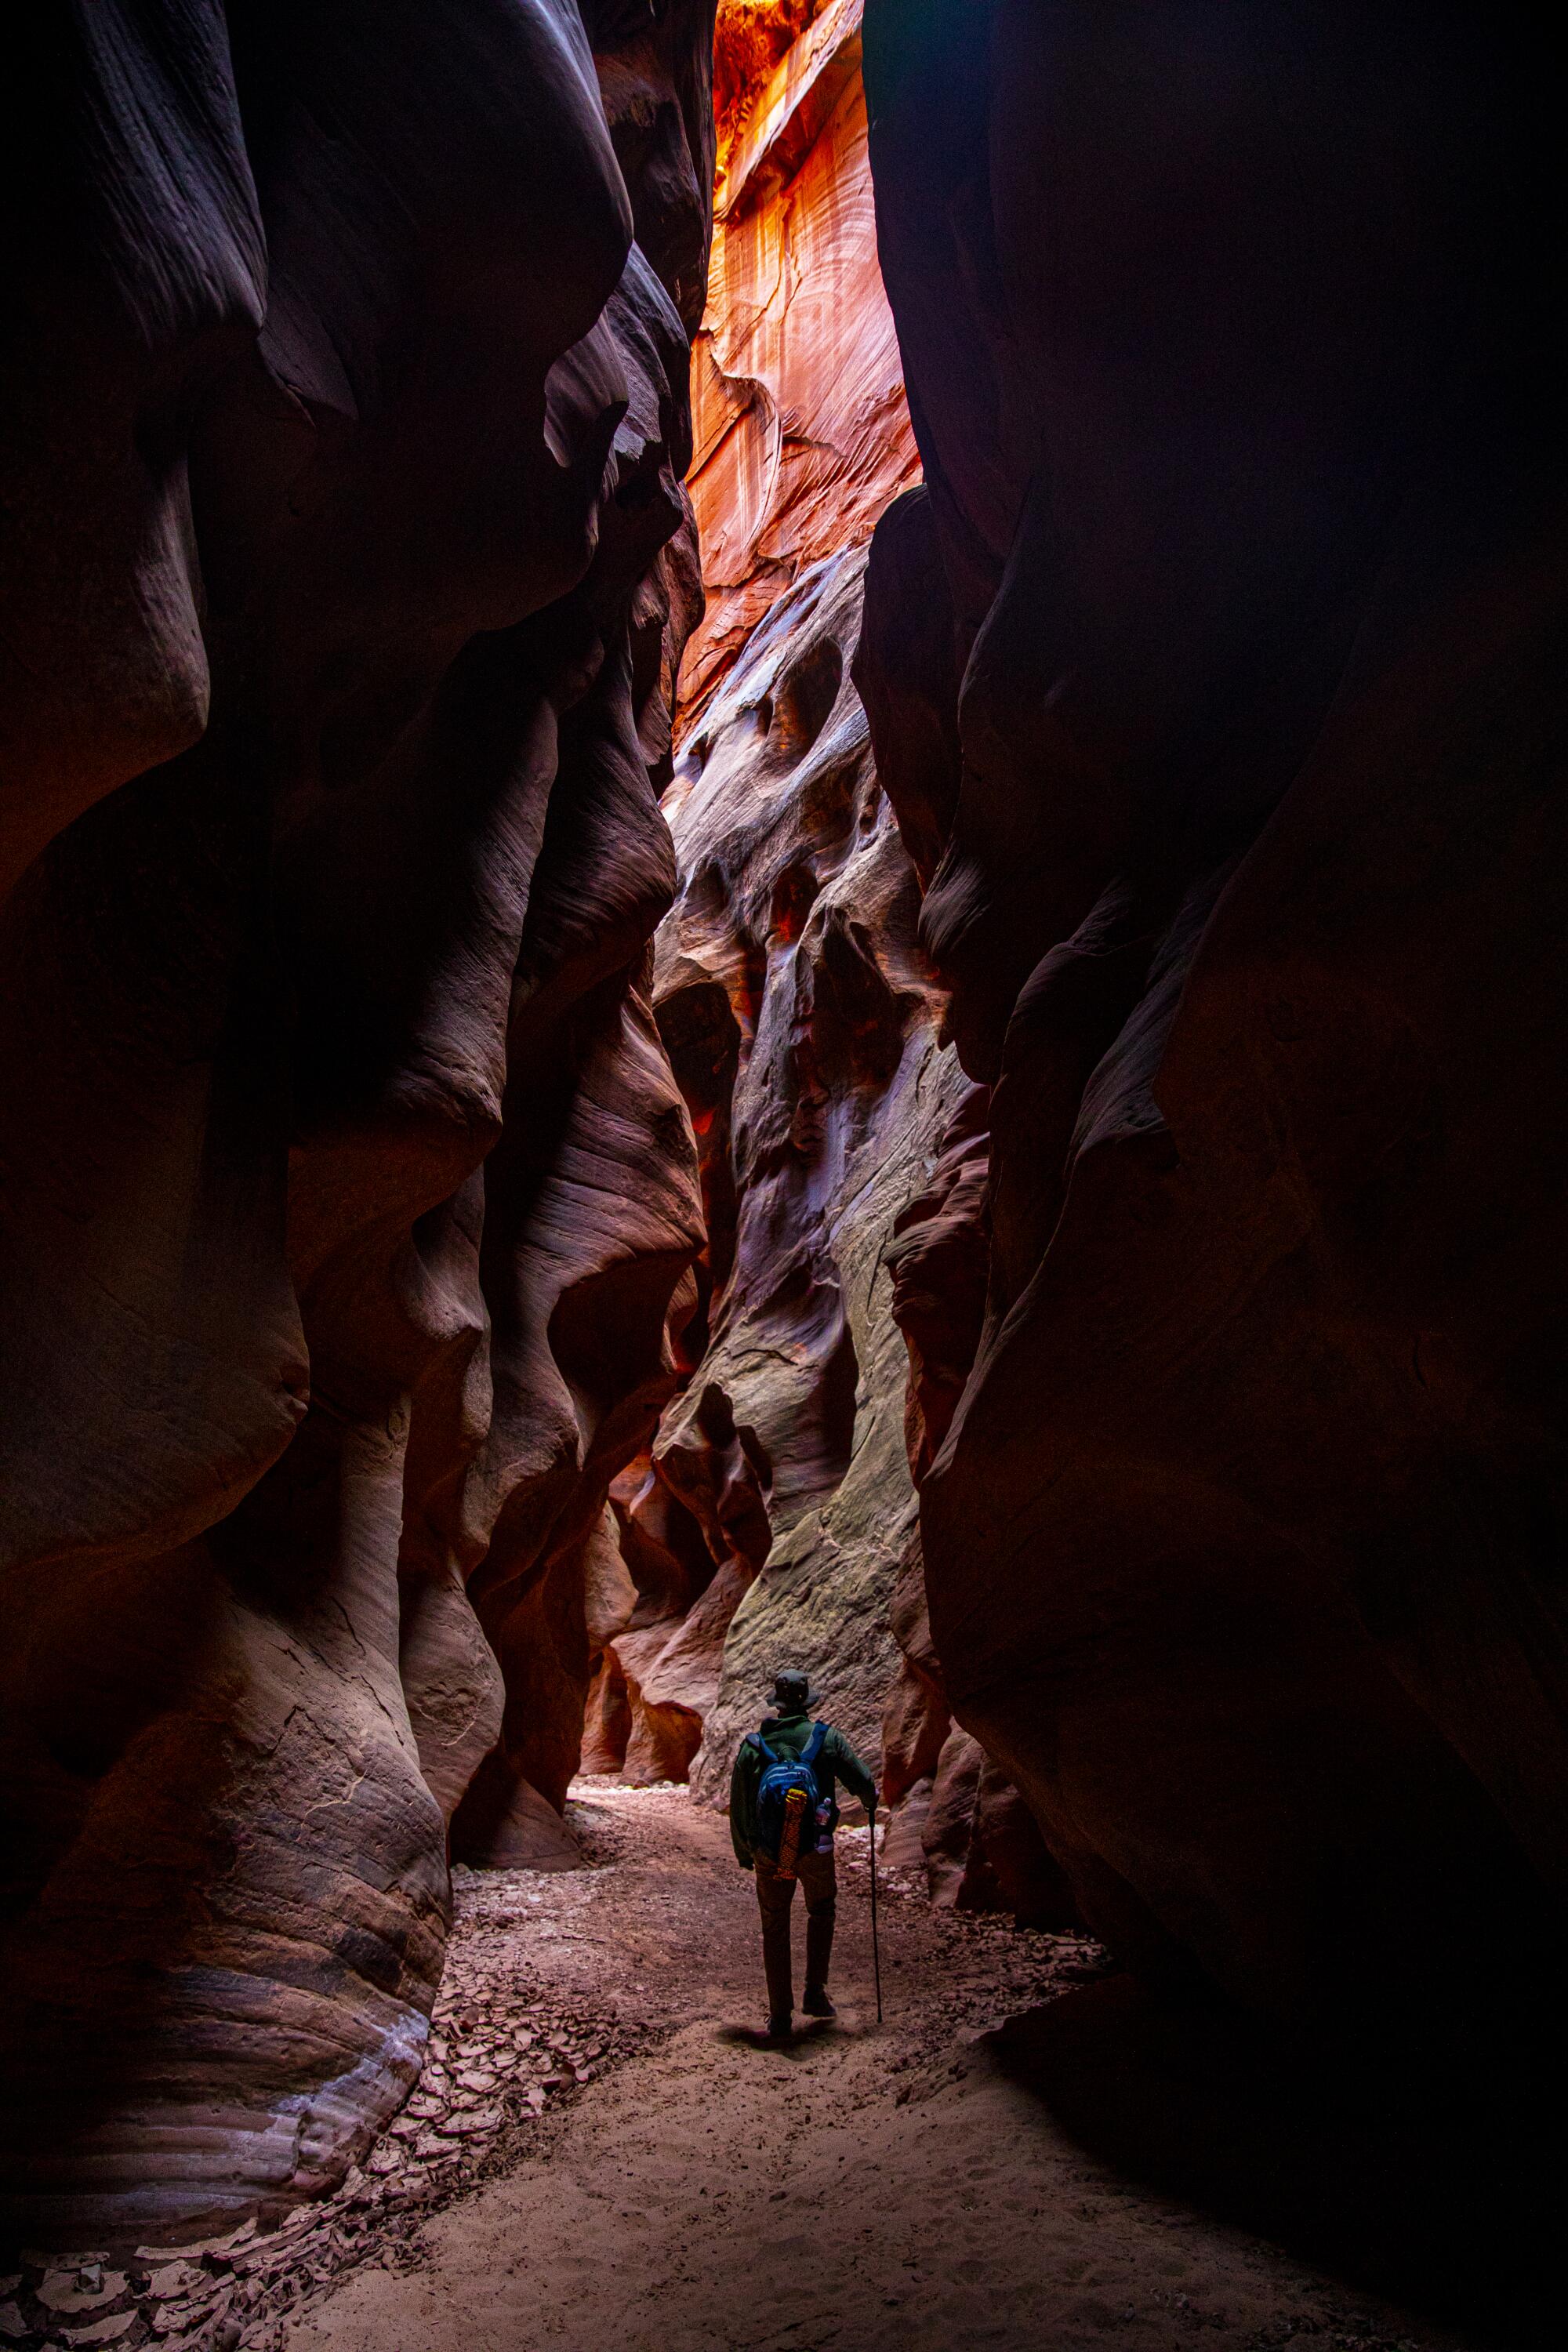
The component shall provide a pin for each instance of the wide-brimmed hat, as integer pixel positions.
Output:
(792, 1688)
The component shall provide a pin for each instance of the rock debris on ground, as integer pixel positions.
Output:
(600, 2150)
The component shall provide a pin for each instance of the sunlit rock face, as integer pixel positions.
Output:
(801, 1023)
(774, 1515)
(348, 1193)
(1237, 786)
(842, 1154)
(801, 430)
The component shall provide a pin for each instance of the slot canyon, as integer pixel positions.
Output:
(782, 884)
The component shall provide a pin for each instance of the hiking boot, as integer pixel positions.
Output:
(780, 2029)
(815, 2002)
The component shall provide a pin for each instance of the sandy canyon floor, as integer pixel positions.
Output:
(921, 2185)
(601, 2154)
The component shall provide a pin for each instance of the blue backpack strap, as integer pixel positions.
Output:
(756, 1739)
(812, 1748)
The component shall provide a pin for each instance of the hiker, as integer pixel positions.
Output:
(783, 1814)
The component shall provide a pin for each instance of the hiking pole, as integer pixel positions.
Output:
(875, 1948)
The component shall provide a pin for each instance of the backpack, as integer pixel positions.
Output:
(780, 1775)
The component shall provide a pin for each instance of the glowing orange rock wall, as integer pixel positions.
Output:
(801, 433)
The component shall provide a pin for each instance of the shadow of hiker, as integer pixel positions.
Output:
(750, 2037)
(1423, 2197)
(814, 2030)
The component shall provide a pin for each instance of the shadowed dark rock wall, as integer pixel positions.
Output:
(1230, 338)
(347, 1190)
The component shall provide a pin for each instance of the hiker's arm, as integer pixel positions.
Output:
(739, 1811)
(855, 1775)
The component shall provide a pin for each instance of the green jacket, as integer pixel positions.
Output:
(786, 1735)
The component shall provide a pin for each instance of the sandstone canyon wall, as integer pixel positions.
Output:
(1216, 675)
(774, 1515)
(793, 934)
(1032, 1188)
(801, 432)
(347, 1192)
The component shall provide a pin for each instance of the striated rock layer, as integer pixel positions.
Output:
(792, 947)
(1216, 677)
(801, 430)
(347, 1190)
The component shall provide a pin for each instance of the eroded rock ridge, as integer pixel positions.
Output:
(347, 1190)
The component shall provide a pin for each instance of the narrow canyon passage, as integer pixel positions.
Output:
(783, 831)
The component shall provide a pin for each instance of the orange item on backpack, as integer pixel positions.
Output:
(789, 1843)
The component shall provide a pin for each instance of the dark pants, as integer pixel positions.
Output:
(774, 1895)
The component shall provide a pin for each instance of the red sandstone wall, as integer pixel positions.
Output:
(347, 1190)
(801, 433)
(421, 1285)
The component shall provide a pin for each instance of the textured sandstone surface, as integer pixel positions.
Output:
(1241, 811)
(800, 427)
(801, 1023)
(775, 1512)
(348, 1190)
(794, 924)
(489, 1269)
(842, 1286)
